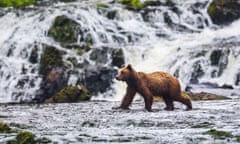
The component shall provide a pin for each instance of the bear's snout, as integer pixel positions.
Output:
(117, 77)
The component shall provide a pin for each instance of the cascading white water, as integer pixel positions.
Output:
(176, 40)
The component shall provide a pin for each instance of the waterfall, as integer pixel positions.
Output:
(179, 39)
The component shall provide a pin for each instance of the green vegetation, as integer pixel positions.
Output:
(136, 4)
(102, 5)
(70, 94)
(218, 134)
(51, 57)
(16, 3)
(25, 138)
(64, 30)
(4, 128)
(238, 138)
(28, 138)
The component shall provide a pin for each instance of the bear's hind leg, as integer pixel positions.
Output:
(169, 103)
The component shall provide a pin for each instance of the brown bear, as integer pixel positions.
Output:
(152, 84)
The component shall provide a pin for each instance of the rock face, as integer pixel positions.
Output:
(56, 64)
(224, 11)
(53, 73)
(98, 78)
(70, 94)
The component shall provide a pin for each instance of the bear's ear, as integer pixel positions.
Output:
(129, 67)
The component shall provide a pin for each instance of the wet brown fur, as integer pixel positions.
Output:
(160, 84)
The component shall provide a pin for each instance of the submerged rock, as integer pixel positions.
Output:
(206, 96)
(224, 11)
(70, 94)
(4, 128)
(198, 96)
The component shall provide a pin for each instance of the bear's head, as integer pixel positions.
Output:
(125, 73)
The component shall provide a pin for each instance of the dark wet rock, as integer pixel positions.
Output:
(70, 94)
(98, 79)
(52, 82)
(237, 81)
(226, 86)
(206, 96)
(219, 58)
(100, 56)
(50, 58)
(53, 72)
(34, 55)
(117, 57)
(224, 11)
(215, 57)
(197, 72)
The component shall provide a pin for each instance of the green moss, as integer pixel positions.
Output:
(4, 128)
(211, 9)
(219, 134)
(25, 138)
(238, 138)
(169, 2)
(64, 30)
(16, 3)
(102, 6)
(51, 57)
(70, 94)
(136, 4)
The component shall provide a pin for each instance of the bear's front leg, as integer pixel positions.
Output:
(128, 98)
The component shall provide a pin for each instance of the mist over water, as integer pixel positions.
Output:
(180, 40)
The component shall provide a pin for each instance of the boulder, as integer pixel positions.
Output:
(98, 79)
(64, 30)
(224, 12)
(70, 94)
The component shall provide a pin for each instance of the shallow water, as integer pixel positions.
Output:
(97, 122)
